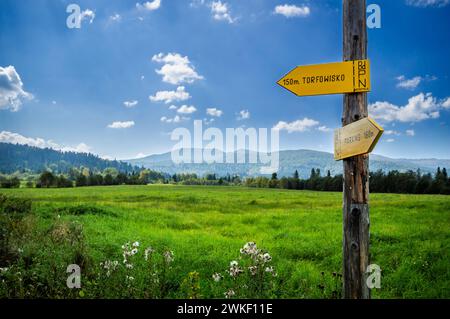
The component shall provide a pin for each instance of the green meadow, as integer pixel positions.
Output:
(205, 227)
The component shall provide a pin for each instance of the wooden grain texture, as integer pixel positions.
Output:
(356, 175)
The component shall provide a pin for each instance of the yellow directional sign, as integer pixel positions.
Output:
(357, 138)
(329, 78)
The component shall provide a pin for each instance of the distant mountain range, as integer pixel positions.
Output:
(15, 157)
(290, 160)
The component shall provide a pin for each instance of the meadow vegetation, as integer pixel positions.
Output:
(173, 241)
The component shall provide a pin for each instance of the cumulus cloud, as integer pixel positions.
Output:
(11, 89)
(16, 138)
(391, 132)
(446, 103)
(208, 121)
(420, 107)
(130, 104)
(120, 125)
(411, 84)
(410, 132)
(149, 5)
(324, 128)
(176, 69)
(175, 119)
(243, 115)
(390, 140)
(88, 15)
(115, 18)
(291, 11)
(214, 112)
(296, 126)
(427, 3)
(185, 109)
(170, 96)
(221, 12)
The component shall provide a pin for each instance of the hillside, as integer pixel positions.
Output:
(290, 160)
(15, 157)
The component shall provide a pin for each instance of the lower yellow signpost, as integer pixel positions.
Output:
(357, 138)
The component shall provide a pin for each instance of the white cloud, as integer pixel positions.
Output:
(324, 128)
(175, 119)
(419, 108)
(130, 104)
(176, 69)
(243, 115)
(16, 138)
(220, 11)
(296, 126)
(87, 14)
(173, 107)
(390, 140)
(207, 121)
(427, 3)
(149, 6)
(120, 125)
(410, 133)
(391, 132)
(11, 89)
(115, 18)
(409, 84)
(291, 11)
(214, 112)
(446, 103)
(171, 96)
(185, 109)
(140, 155)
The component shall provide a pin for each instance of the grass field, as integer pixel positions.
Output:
(206, 226)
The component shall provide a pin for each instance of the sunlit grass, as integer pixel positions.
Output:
(206, 226)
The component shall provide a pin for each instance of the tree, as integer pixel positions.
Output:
(47, 179)
(81, 181)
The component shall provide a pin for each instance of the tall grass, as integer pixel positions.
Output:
(205, 227)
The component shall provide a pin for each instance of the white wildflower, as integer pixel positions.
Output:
(168, 256)
(230, 293)
(266, 257)
(234, 270)
(253, 270)
(217, 277)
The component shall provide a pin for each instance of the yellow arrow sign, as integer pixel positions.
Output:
(329, 78)
(357, 138)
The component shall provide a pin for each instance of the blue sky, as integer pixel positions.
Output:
(223, 56)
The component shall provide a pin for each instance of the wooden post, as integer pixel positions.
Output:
(356, 173)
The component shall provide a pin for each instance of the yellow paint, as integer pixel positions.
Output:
(329, 78)
(357, 138)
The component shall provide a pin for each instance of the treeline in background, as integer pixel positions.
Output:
(410, 182)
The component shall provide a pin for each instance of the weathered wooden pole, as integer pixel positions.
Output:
(356, 169)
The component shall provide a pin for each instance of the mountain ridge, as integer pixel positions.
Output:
(302, 160)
